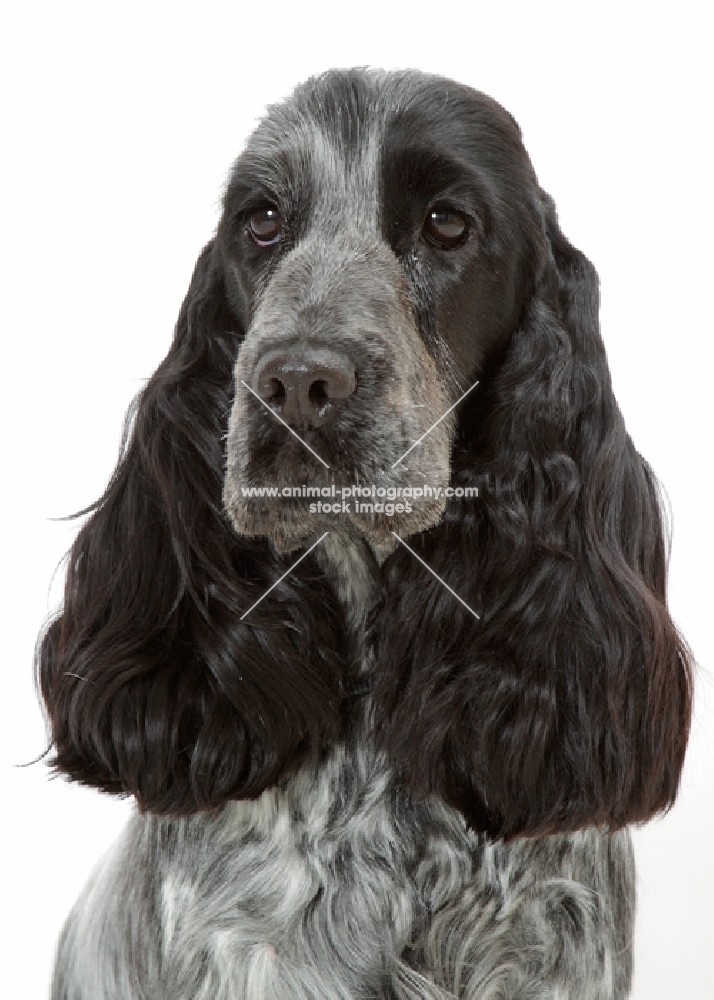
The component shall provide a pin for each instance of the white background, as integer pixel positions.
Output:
(119, 124)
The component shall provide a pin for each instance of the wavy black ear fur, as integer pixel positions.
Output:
(153, 685)
(568, 702)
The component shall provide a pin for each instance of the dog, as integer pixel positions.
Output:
(386, 726)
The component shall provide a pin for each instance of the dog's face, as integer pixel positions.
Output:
(373, 241)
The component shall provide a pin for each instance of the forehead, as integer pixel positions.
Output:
(341, 133)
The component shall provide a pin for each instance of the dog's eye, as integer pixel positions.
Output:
(265, 225)
(445, 227)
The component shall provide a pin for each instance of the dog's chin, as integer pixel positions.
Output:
(290, 527)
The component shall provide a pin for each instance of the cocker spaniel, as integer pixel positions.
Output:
(385, 733)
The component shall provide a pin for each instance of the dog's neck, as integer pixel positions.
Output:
(351, 565)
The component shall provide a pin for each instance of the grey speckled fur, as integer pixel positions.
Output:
(335, 886)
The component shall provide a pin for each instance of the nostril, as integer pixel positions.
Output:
(276, 393)
(317, 393)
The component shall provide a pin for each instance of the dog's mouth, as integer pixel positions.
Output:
(291, 508)
(371, 477)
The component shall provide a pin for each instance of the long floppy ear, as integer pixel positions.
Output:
(568, 702)
(154, 685)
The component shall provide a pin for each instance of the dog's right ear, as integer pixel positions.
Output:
(154, 686)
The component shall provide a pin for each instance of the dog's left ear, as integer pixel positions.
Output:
(157, 681)
(567, 702)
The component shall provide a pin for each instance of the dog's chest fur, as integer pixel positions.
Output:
(338, 884)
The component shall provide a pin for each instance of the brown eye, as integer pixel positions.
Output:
(265, 225)
(445, 227)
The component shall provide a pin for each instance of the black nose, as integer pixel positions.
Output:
(304, 386)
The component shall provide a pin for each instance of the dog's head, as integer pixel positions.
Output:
(378, 240)
(384, 246)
